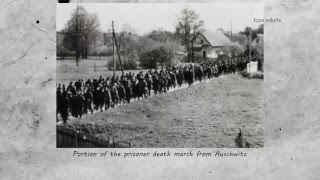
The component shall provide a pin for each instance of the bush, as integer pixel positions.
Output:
(64, 52)
(160, 53)
(258, 75)
(126, 65)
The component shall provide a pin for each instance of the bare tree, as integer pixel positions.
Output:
(187, 29)
(82, 28)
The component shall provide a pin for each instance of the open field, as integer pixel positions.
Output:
(207, 114)
(67, 70)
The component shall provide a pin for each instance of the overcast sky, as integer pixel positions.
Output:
(145, 17)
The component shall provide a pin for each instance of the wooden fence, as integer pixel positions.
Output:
(70, 138)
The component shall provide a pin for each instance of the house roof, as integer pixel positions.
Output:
(216, 38)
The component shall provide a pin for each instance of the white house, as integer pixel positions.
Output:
(209, 44)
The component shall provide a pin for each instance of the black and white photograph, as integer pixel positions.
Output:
(163, 75)
(159, 89)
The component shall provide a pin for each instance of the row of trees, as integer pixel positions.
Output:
(147, 51)
(158, 47)
(240, 45)
(134, 49)
(83, 25)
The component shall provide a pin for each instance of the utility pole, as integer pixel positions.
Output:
(115, 44)
(115, 40)
(249, 48)
(231, 28)
(114, 63)
(77, 37)
(77, 34)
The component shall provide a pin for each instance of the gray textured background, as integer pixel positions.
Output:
(27, 104)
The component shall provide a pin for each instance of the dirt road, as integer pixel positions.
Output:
(207, 114)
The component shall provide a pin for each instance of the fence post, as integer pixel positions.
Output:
(108, 141)
(82, 144)
(67, 137)
(76, 142)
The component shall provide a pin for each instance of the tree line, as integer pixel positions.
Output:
(156, 48)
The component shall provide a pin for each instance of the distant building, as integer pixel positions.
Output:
(258, 40)
(209, 44)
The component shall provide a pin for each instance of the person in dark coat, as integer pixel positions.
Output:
(173, 79)
(59, 100)
(65, 103)
(180, 78)
(100, 98)
(149, 83)
(122, 94)
(88, 101)
(128, 89)
(107, 98)
(155, 84)
(114, 95)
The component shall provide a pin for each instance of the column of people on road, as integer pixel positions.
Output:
(83, 97)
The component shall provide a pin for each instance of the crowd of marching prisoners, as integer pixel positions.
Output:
(82, 97)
